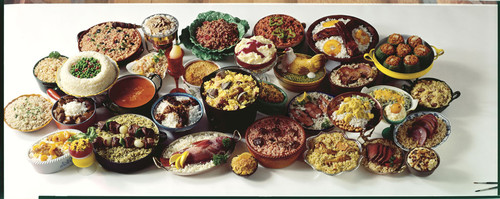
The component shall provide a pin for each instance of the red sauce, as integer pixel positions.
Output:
(253, 48)
(132, 92)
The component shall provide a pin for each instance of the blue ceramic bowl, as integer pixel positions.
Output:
(311, 129)
(173, 130)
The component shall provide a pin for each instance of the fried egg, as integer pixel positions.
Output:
(362, 37)
(333, 46)
(328, 23)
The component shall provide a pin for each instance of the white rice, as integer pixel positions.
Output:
(87, 86)
(319, 26)
(362, 48)
(343, 52)
(355, 122)
(186, 142)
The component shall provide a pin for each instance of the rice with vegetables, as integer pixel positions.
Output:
(310, 111)
(28, 112)
(332, 153)
(120, 153)
(46, 69)
(152, 63)
(117, 42)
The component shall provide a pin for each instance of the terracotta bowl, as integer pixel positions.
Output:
(422, 172)
(275, 161)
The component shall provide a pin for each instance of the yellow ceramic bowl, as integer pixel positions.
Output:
(371, 57)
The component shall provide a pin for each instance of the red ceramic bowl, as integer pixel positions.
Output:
(288, 129)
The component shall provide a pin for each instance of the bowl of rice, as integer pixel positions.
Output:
(126, 143)
(177, 112)
(332, 153)
(403, 131)
(28, 113)
(45, 71)
(356, 112)
(275, 141)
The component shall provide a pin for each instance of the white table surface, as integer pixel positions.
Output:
(467, 33)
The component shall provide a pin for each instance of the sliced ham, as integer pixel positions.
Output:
(419, 134)
(312, 110)
(203, 151)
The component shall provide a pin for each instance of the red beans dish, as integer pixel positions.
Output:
(72, 110)
(217, 35)
(275, 136)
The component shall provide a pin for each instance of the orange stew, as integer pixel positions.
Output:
(132, 92)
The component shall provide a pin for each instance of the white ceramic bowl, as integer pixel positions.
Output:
(55, 165)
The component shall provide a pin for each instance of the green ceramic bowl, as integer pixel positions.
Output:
(270, 108)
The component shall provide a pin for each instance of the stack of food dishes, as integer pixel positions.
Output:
(231, 97)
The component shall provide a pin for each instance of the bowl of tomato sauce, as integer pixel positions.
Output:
(133, 94)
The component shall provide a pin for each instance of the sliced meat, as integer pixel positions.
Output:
(371, 151)
(431, 128)
(325, 33)
(388, 154)
(313, 110)
(350, 44)
(418, 134)
(302, 117)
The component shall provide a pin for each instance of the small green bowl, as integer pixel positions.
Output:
(269, 108)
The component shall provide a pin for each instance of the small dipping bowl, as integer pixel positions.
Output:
(228, 121)
(270, 108)
(170, 129)
(418, 160)
(44, 85)
(134, 94)
(196, 69)
(162, 40)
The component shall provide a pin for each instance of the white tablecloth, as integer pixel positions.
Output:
(467, 33)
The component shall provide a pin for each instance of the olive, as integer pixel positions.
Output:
(258, 141)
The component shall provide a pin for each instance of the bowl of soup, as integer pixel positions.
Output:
(133, 94)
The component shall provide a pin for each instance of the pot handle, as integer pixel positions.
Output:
(158, 163)
(455, 95)
(439, 52)
(154, 76)
(369, 56)
(53, 94)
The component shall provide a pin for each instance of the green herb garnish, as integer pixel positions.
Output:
(228, 143)
(91, 135)
(325, 124)
(54, 54)
(87, 67)
(219, 159)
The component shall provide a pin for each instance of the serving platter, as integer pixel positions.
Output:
(195, 169)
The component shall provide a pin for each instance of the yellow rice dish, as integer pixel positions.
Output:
(230, 91)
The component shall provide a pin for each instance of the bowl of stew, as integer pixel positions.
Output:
(133, 94)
